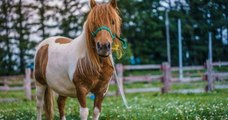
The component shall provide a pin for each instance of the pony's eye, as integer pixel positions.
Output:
(113, 22)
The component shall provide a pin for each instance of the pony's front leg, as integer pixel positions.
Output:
(97, 106)
(81, 95)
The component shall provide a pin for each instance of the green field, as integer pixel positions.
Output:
(146, 106)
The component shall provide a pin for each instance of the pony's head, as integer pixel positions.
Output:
(103, 24)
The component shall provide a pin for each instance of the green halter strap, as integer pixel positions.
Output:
(103, 28)
(112, 35)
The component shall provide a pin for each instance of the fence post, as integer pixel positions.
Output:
(210, 85)
(6, 84)
(119, 70)
(27, 83)
(166, 79)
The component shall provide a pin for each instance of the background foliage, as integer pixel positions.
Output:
(24, 23)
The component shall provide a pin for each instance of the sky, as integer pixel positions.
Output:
(55, 30)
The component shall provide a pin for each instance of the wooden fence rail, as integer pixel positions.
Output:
(189, 68)
(8, 83)
(220, 63)
(141, 67)
(14, 83)
(166, 76)
(211, 76)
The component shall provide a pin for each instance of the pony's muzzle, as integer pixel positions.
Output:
(105, 46)
(103, 49)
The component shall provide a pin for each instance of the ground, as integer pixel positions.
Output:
(146, 106)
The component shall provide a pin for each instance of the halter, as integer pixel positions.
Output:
(112, 35)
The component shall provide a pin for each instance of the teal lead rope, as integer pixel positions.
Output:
(124, 42)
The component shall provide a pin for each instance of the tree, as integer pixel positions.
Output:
(23, 31)
(143, 26)
(6, 53)
(209, 16)
(143, 29)
(71, 18)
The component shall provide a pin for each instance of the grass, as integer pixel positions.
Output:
(147, 106)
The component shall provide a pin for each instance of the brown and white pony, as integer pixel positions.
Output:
(73, 68)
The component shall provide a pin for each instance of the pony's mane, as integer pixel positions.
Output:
(99, 15)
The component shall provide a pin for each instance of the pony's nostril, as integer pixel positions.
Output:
(98, 45)
(108, 45)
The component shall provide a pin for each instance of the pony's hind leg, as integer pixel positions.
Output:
(61, 104)
(40, 91)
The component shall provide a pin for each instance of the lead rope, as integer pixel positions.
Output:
(118, 84)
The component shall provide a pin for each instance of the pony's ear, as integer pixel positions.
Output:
(114, 3)
(92, 3)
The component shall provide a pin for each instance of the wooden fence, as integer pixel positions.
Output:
(18, 82)
(210, 75)
(9, 83)
(166, 77)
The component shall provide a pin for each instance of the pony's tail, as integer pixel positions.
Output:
(49, 103)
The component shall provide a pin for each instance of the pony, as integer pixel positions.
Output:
(73, 68)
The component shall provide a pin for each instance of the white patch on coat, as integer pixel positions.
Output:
(84, 112)
(96, 113)
(62, 61)
(63, 118)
